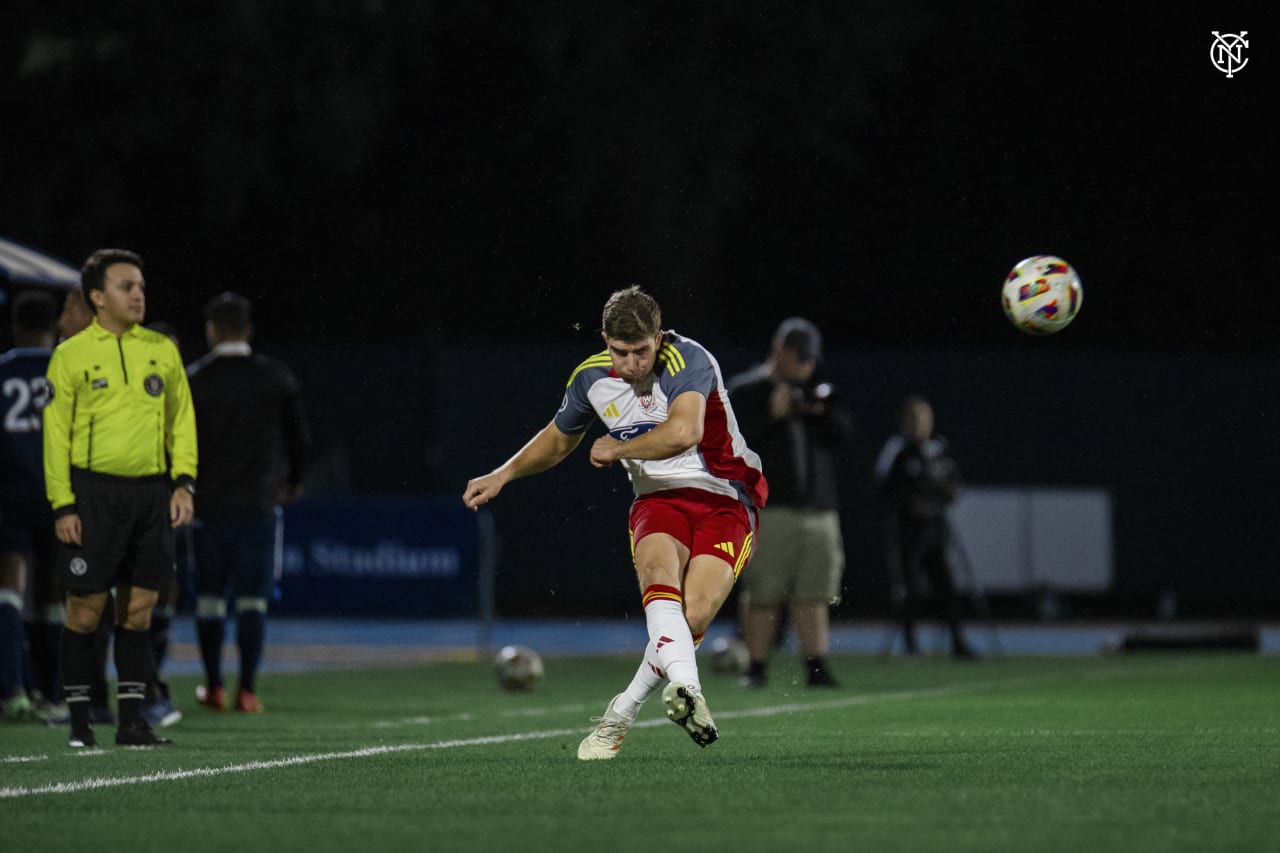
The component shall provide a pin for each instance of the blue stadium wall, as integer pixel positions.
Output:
(1188, 446)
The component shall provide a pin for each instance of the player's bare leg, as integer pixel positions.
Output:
(659, 559)
(813, 626)
(675, 618)
(660, 565)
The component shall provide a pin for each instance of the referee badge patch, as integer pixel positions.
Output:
(154, 385)
(79, 566)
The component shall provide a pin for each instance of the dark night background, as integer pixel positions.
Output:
(430, 202)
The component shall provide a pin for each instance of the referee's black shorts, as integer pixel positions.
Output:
(124, 533)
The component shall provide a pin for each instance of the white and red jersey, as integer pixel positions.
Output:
(720, 463)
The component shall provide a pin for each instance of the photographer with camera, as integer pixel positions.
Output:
(795, 422)
(919, 482)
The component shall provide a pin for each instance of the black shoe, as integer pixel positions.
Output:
(754, 676)
(82, 740)
(822, 677)
(139, 733)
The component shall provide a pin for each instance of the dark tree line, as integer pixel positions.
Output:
(405, 171)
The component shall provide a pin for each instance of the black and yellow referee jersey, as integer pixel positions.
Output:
(121, 406)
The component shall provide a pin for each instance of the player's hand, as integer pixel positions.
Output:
(604, 452)
(67, 529)
(182, 507)
(481, 490)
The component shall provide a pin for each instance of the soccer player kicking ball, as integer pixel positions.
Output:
(698, 487)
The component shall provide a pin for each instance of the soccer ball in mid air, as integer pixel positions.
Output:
(517, 668)
(1042, 294)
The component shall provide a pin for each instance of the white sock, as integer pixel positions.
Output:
(648, 678)
(669, 635)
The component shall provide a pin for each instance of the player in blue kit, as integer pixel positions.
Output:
(26, 523)
(698, 487)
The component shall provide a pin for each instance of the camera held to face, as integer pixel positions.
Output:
(811, 399)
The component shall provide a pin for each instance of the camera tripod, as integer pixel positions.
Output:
(957, 557)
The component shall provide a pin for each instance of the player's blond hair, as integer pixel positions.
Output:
(631, 314)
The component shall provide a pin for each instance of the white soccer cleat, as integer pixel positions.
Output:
(687, 708)
(606, 739)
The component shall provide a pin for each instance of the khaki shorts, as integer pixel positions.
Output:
(799, 556)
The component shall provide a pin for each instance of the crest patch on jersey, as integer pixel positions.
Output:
(101, 382)
(154, 385)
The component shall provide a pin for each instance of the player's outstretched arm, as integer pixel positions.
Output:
(545, 450)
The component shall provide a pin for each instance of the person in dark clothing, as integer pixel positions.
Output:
(249, 410)
(797, 423)
(919, 482)
(158, 708)
(26, 524)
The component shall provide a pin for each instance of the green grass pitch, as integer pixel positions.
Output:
(1132, 753)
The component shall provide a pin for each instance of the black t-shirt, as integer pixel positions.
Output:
(798, 451)
(252, 431)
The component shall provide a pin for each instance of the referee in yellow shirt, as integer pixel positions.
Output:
(120, 468)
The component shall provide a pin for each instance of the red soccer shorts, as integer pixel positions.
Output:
(704, 522)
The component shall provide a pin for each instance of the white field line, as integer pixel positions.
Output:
(94, 784)
(466, 717)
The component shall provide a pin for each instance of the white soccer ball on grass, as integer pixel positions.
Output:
(518, 668)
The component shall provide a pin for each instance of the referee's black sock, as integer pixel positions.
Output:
(210, 632)
(250, 637)
(133, 666)
(79, 664)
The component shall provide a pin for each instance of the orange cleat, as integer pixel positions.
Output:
(248, 703)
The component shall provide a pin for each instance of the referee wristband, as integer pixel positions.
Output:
(185, 481)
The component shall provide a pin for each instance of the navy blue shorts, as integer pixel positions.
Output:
(235, 553)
